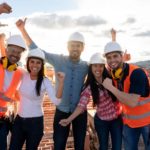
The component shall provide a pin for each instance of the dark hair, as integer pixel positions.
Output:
(40, 75)
(95, 86)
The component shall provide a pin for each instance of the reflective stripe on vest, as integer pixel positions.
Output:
(139, 115)
(147, 100)
(135, 117)
(9, 94)
(3, 109)
(5, 98)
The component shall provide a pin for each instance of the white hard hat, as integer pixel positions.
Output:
(97, 58)
(76, 36)
(16, 40)
(38, 53)
(112, 47)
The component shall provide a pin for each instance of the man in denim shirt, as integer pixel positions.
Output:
(75, 70)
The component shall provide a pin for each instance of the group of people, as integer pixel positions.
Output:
(120, 93)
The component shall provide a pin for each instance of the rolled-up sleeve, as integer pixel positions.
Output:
(32, 46)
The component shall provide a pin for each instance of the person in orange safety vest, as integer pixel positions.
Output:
(10, 78)
(131, 87)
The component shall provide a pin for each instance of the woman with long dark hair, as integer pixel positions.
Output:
(107, 118)
(28, 124)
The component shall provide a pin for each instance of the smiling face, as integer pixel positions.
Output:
(13, 53)
(75, 49)
(114, 60)
(34, 66)
(97, 70)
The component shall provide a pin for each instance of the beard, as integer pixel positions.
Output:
(74, 55)
(13, 59)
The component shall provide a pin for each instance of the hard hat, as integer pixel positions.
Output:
(37, 52)
(76, 36)
(96, 58)
(112, 47)
(16, 40)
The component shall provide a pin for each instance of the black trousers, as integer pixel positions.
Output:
(29, 130)
(79, 126)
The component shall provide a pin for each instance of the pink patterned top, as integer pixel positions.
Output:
(106, 108)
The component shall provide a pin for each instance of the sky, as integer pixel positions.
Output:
(50, 22)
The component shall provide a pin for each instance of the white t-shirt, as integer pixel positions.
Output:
(7, 79)
(30, 104)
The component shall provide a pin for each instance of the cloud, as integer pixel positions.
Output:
(90, 21)
(50, 21)
(55, 21)
(143, 34)
(130, 20)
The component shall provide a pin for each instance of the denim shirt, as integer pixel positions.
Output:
(75, 73)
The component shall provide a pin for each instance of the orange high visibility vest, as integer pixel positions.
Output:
(139, 115)
(9, 94)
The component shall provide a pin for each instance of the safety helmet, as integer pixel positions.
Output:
(37, 52)
(97, 58)
(76, 36)
(112, 47)
(16, 40)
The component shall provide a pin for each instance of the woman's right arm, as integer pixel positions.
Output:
(77, 112)
(82, 106)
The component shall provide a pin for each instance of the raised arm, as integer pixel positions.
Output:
(53, 59)
(126, 56)
(2, 45)
(5, 8)
(113, 35)
(21, 26)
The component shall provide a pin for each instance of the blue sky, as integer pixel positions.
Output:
(26, 7)
(50, 22)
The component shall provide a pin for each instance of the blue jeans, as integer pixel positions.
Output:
(103, 128)
(61, 133)
(131, 137)
(26, 129)
(4, 130)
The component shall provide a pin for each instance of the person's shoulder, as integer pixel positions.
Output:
(46, 80)
(83, 62)
(138, 73)
(22, 71)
